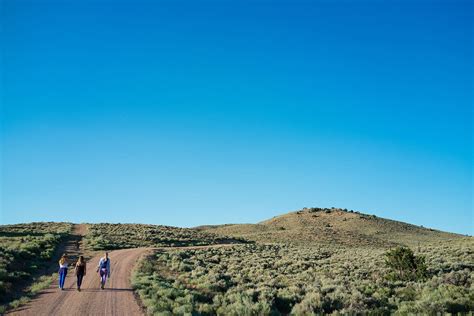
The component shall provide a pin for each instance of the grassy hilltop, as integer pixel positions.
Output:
(332, 226)
(311, 261)
(118, 236)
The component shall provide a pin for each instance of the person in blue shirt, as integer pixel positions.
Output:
(104, 269)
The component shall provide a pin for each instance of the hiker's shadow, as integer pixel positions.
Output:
(107, 290)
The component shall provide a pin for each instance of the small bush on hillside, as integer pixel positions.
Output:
(404, 265)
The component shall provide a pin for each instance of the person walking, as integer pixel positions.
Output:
(63, 265)
(104, 269)
(81, 271)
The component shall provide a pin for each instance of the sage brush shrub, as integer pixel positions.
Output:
(404, 265)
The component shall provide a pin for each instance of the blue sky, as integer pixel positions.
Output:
(205, 112)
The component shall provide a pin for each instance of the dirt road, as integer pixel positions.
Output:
(116, 299)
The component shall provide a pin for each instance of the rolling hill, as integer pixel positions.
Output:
(333, 226)
(310, 261)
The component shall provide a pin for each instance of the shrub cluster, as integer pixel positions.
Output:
(24, 248)
(289, 279)
(405, 265)
(119, 236)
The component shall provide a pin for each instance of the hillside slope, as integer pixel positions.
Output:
(106, 236)
(329, 226)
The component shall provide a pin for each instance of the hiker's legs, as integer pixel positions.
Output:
(103, 277)
(79, 280)
(62, 277)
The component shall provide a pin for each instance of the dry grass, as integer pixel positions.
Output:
(119, 236)
(334, 226)
(303, 280)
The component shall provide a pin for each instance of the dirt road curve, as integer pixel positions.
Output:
(116, 299)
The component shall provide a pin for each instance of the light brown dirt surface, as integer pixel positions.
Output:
(73, 246)
(116, 299)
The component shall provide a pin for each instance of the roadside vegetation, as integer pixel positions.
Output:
(119, 236)
(25, 249)
(276, 279)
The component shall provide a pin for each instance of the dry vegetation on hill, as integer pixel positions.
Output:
(312, 261)
(333, 226)
(119, 236)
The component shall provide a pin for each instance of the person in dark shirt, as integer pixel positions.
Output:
(80, 271)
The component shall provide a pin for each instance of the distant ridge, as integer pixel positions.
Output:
(333, 226)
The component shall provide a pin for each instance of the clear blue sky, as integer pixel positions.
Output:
(189, 112)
